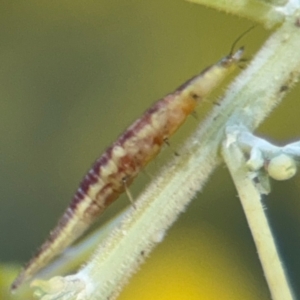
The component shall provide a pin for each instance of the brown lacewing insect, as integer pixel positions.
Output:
(115, 170)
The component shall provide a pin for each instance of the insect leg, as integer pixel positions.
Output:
(166, 141)
(127, 191)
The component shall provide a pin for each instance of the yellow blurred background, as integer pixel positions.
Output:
(73, 75)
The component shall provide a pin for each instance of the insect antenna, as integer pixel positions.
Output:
(238, 39)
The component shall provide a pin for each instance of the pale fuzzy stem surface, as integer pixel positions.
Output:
(257, 11)
(79, 253)
(276, 2)
(258, 223)
(248, 101)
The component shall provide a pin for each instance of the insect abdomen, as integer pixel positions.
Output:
(122, 162)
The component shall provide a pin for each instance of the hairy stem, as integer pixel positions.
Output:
(258, 223)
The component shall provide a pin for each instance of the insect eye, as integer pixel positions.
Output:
(195, 96)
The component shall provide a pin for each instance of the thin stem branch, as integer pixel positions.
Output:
(257, 11)
(258, 223)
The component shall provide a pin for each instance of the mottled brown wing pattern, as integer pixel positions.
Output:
(123, 161)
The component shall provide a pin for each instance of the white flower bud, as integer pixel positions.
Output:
(282, 167)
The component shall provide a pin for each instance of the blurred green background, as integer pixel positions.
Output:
(73, 75)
